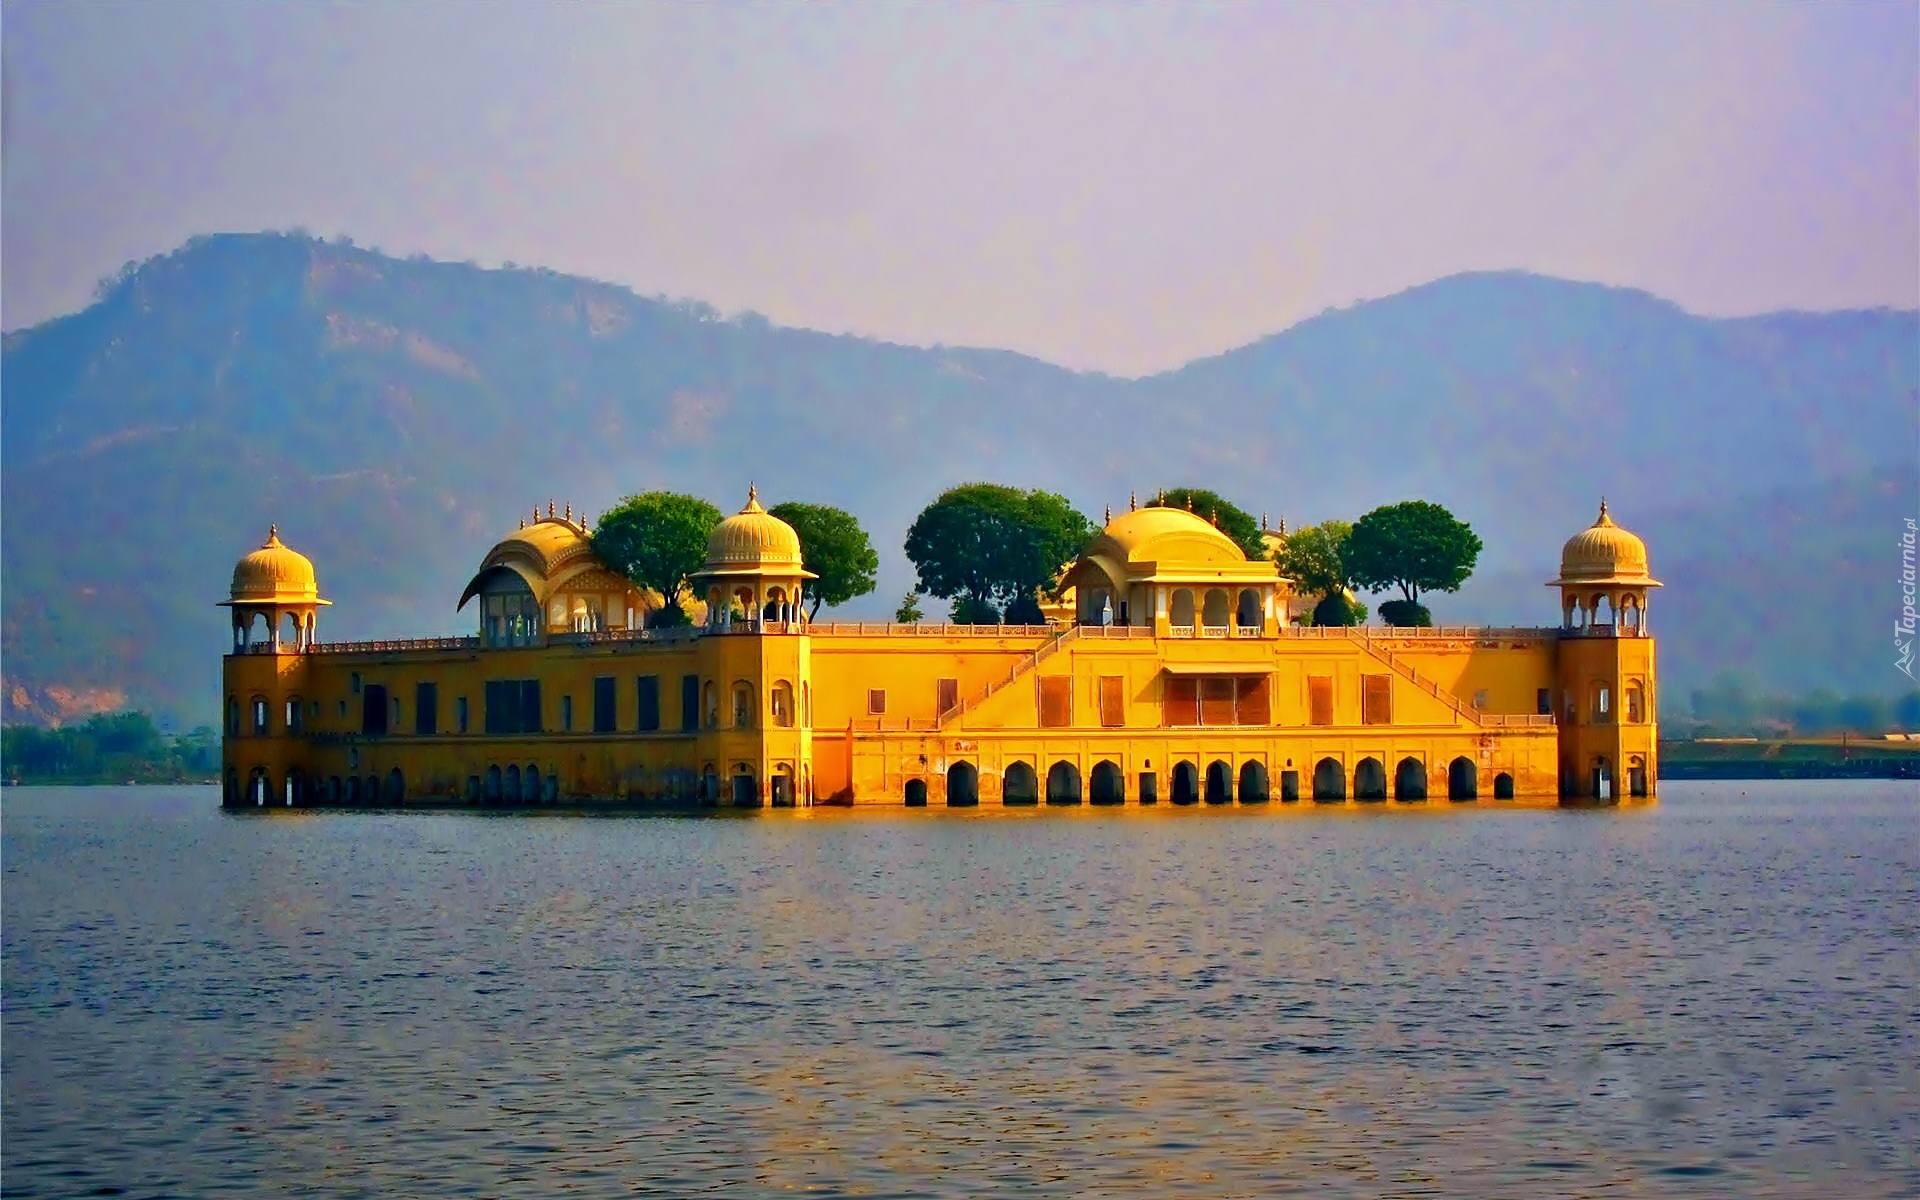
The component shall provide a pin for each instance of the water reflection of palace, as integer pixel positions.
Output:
(1172, 672)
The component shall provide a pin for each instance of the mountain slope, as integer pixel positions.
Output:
(396, 416)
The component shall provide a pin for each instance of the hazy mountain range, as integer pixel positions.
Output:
(395, 417)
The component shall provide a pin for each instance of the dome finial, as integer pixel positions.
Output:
(549, 508)
(273, 532)
(1109, 516)
(1133, 501)
(1605, 517)
(569, 512)
(753, 492)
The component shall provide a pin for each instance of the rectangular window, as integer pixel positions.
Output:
(1320, 699)
(460, 713)
(1543, 700)
(1113, 701)
(876, 702)
(1250, 702)
(531, 720)
(566, 714)
(946, 696)
(1180, 703)
(689, 703)
(647, 702)
(373, 708)
(1149, 788)
(1216, 701)
(426, 708)
(1376, 699)
(493, 706)
(604, 704)
(1056, 701)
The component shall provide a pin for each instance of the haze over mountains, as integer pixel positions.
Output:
(395, 417)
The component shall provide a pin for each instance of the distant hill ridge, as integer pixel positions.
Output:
(396, 416)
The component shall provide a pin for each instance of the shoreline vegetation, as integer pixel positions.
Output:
(118, 749)
(108, 748)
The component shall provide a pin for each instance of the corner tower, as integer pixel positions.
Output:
(275, 602)
(1608, 731)
(756, 694)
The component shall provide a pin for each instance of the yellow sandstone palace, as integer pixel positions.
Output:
(1172, 672)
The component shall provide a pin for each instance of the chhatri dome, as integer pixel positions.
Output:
(752, 540)
(1604, 553)
(1167, 536)
(275, 574)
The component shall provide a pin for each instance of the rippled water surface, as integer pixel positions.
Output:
(1718, 996)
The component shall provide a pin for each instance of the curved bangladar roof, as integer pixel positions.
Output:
(1168, 543)
(547, 555)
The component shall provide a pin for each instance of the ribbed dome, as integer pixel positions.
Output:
(753, 537)
(1604, 553)
(1169, 535)
(274, 574)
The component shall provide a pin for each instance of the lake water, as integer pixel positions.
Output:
(1716, 996)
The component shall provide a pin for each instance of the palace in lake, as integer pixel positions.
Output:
(1172, 672)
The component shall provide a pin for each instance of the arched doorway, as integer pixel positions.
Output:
(230, 789)
(511, 788)
(746, 789)
(1637, 775)
(371, 789)
(493, 792)
(1247, 613)
(1370, 780)
(1214, 609)
(963, 785)
(1253, 782)
(353, 790)
(1410, 780)
(1186, 783)
(709, 787)
(1020, 785)
(1219, 783)
(1503, 786)
(916, 793)
(333, 790)
(1329, 780)
(1601, 777)
(257, 787)
(1462, 780)
(396, 787)
(1106, 785)
(1063, 783)
(1180, 614)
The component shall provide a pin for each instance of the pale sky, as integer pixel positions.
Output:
(1119, 187)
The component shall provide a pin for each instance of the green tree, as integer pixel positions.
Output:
(834, 547)
(909, 611)
(1312, 560)
(657, 539)
(1335, 608)
(1231, 519)
(1416, 546)
(1405, 614)
(992, 545)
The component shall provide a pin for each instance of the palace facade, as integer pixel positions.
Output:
(1174, 673)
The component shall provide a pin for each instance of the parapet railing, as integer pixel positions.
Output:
(894, 629)
(392, 644)
(1455, 633)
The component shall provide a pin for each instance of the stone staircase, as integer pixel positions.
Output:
(1461, 709)
(1024, 667)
